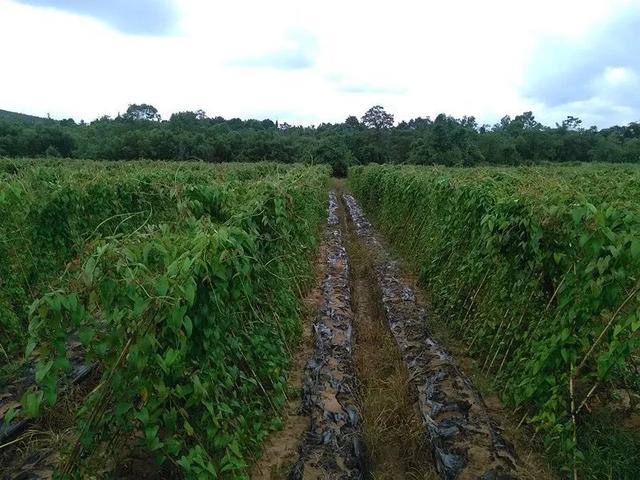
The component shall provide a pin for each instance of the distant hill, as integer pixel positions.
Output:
(21, 117)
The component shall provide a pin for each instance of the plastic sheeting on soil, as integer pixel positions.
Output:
(9, 397)
(465, 442)
(332, 447)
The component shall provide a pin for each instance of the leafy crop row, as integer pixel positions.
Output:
(190, 318)
(51, 210)
(538, 268)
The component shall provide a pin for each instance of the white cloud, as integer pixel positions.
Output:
(299, 61)
(593, 73)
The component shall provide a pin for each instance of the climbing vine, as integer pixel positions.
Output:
(538, 268)
(190, 322)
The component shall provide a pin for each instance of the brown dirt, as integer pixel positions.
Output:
(391, 426)
(280, 449)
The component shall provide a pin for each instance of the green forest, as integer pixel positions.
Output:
(141, 133)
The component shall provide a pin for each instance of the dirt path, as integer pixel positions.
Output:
(332, 448)
(412, 413)
(465, 442)
(321, 440)
(391, 426)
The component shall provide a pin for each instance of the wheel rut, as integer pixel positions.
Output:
(332, 446)
(392, 429)
(465, 442)
(381, 399)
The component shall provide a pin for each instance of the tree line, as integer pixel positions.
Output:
(141, 133)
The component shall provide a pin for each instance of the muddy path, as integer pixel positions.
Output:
(321, 438)
(381, 399)
(392, 429)
(465, 442)
(332, 447)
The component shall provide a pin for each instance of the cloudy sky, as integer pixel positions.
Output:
(307, 62)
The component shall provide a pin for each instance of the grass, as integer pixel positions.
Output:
(396, 441)
(611, 448)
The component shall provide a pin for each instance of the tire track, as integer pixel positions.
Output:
(465, 442)
(332, 447)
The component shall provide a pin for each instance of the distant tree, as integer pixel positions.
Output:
(51, 151)
(631, 151)
(376, 117)
(142, 112)
(570, 123)
(503, 125)
(420, 123)
(352, 122)
(469, 122)
(445, 140)
(527, 120)
(184, 119)
(335, 154)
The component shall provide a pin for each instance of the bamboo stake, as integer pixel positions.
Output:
(605, 330)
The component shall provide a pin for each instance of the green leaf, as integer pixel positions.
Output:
(31, 345)
(50, 394)
(617, 329)
(162, 285)
(188, 325)
(151, 431)
(85, 335)
(31, 401)
(577, 214)
(122, 408)
(189, 289)
(140, 306)
(188, 428)
(42, 369)
(169, 418)
(177, 316)
(143, 415)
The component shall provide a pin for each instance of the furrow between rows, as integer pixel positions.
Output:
(465, 442)
(332, 447)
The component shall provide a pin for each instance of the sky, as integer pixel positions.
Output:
(307, 62)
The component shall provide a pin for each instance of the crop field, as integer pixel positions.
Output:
(179, 283)
(233, 321)
(536, 269)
